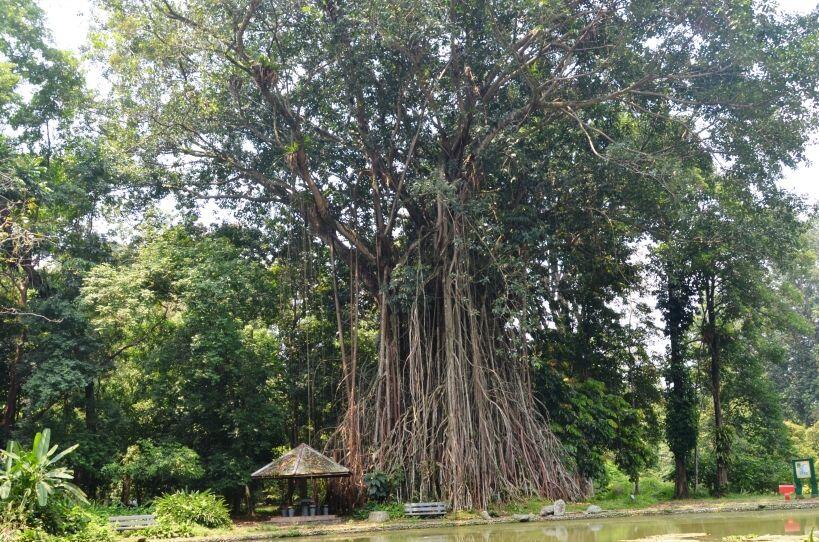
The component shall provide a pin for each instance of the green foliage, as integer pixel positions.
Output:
(395, 510)
(164, 529)
(381, 485)
(592, 422)
(681, 413)
(93, 532)
(805, 440)
(378, 486)
(81, 524)
(30, 478)
(153, 467)
(34, 535)
(69, 523)
(201, 508)
(796, 372)
(559, 177)
(619, 491)
(52, 77)
(204, 356)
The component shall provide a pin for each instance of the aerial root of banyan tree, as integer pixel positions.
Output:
(452, 407)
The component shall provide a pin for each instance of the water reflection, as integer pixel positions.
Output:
(560, 533)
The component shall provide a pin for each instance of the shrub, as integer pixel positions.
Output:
(34, 535)
(198, 507)
(94, 532)
(91, 532)
(378, 486)
(396, 510)
(164, 529)
(620, 489)
(381, 484)
(28, 477)
(72, 523)
(60, 518)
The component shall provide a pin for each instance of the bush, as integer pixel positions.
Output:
(60, 518)
(378, 486)
(94, 532)
(197, 507)
(381, 484)
(31, 480)
(619, 492)
(34, 535)
(72, 523)
(91, 531)
(164, 529)
(396, 510)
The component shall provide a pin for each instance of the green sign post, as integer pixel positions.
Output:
(804, 472)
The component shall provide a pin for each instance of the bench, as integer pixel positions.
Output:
(132, 523)
(424, 509)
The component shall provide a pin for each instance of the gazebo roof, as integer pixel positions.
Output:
(302, 462)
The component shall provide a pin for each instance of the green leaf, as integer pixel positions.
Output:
(63, 453)
(75, 492)
(42, 490)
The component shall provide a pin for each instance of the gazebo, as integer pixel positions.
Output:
(302, 463)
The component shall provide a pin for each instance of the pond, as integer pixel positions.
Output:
(707, 527)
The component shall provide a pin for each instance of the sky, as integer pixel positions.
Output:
(70, 22)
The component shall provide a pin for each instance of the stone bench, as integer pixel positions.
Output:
(132, 523)
(424, 509)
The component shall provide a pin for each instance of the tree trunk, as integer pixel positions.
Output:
(721, 443)
(26, 279)
(249, 504)
(86, 477)
(90, 408)
(680, 478)
(125, 497)
(720, 437)
(453, 408)
(680, 407)
(13, 390)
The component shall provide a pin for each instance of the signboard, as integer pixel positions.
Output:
(802, 469)
(804, 474)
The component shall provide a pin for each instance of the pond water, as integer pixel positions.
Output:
(709, 526)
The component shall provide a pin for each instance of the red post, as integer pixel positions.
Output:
(787, 490)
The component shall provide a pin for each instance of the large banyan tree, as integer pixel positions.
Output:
(417, 139)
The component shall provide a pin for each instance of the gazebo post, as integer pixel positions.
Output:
(315, 496)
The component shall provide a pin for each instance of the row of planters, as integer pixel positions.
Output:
(39, 503)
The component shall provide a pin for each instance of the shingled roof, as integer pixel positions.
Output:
(302, 462)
